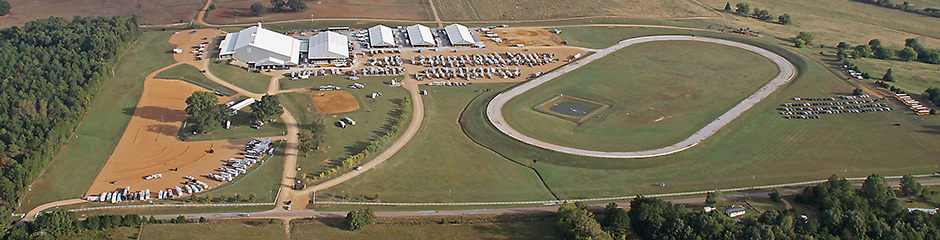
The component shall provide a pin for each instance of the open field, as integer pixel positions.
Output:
(190, 74)
(527, 37)
(757, 148)
(370, 118)
(461, 170)
(659, 93)
(836, 20)
(514, 230)
(251, 81)
(213, 231)
(74, 169)
(531, 9)
(913, 77)
(113, 233)
(238, 11)
(150, 12)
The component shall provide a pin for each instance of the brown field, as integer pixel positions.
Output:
(528, 37)
(237, 11)
(541, 9)
(335, 101)
(150, 11)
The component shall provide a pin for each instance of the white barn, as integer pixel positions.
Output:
(381, 36)
(328, 46)
(260, 47)
(419, 35)
(459, 35)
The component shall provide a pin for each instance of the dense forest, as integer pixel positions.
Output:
(50, 71)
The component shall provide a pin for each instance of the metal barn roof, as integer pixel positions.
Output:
(328, 45)
(420, 35)
(381, 36)
(459, 34)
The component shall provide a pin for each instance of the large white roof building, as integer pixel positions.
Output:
(459, 34)
(419, 35)
(381, 36)
(328, 46)
(261, 47)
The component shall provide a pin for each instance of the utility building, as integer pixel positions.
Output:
(327, 46)
(381, 36)
(459, 35)
(259, 47)
(419, 35)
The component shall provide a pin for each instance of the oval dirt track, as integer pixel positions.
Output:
(494, 110)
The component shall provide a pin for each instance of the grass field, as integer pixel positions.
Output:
(77, 165)
(757, 148)
(837, 20)
(213, 231)
(339, 143)
(913, 77)
(515, 230)
(531, 9)
(253, 82)
(461, 170)
(190, 74)
(113, 233)
(238, 11)
(241, 128)
(659, 93)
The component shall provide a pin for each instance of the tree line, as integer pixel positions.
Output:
(744, 9)
(872, 212)
(257, 8)
(50, 72)
(906, 6)
(912, 51)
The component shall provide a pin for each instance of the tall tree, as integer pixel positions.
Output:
(889, 75)
(807, 37)
(257, 9)
(861, 51)
(296, 5)
(713, 198)
(876, 188)
(4, 7)
(908, 54)
(277, 5)
(576, 222)
(728, 6)
(775, 195)
(358, 219)
(616, 221)
(56, 223)
(206, 114)
(910, 186)
(267, 108)
(784, 19)
(742, 8)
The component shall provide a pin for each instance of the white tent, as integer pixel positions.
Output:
(420, 35)
(381, 36)
(459, 34)
(261, 47)
(328, 46)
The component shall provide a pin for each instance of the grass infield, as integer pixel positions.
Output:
(570, 108)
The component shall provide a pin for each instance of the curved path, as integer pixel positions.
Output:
(494, 110)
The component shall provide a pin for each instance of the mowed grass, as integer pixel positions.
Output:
(913, 77)
(659, 93)
(251, 81)
(838, 20)
(532, 9)
(213, 231)
(191, 74)
(73, 170)
(241, 128)
(758, 148)
(440, 164)
(512, 230)
(339, 143)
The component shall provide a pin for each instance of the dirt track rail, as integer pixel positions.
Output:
(494, 110)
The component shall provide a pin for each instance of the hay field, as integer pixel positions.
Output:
(540, 9)
(238, 11)
(150, 12)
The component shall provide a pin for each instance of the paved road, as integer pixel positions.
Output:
(494, 111)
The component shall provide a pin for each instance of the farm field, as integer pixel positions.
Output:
(461, 169)
(758, 148)
(836, 20)
(251, 81)
(514, 230)
(213, 231)
(913, 77)
(339, 143)
(238, 11)
(190, 74)
(74, 169)
(531, 9)
(659, 93)
(150, 12)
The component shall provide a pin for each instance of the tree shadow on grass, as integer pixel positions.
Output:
(930, 130)
(160, 114)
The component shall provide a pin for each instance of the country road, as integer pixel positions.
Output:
(494, 110)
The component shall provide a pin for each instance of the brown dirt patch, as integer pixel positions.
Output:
(335, 101)
(238, 11)
(150, 11)
(527, 36)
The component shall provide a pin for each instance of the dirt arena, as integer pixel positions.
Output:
(527, 36)
(149, 143)
(150, 11)
(238, 11)
(334, 101)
